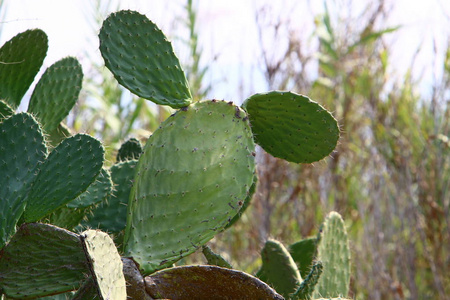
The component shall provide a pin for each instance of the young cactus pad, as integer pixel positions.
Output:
(291, 126)
(333, 252)
(22, 148)
(56, 92)
(279, 269)
(20, 61)
(142, 59)
(191, 180)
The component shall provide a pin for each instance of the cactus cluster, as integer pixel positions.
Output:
(193, 179)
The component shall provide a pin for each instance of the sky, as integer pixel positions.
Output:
(227, 33)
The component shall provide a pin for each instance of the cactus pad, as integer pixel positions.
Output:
(106, 265)
(142, 59)
(130, 150)
(191, 180)
(5, 110)
(306, 288)
(20, 61)
(56, 92)
(111, 215)
(279, 269)
(291, 126)
(303, 253)
(333, 252)
(67, 172)
(214, 258)
(41, 260)
(207, 282)
(22, 148)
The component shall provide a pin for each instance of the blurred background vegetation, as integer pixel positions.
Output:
(389, 176)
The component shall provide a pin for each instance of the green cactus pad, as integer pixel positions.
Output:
(291, 126)
(303, 253)
(5, 110)
(214, 258)
(42, 260)
(106, 265)
(111, 215)
(68, 171)
(22, 148)
(130, 150)
(191, 180)
(20, 61)
(306, 288)
(56, 92)
(142, 59)
(97, 192)
(279, 269)
(333, 252)
(207, 282)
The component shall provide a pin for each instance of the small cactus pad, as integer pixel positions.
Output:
(41, 260)
(333, 252)
(68, 171)
(303, 253)
(5, 110)
(279, 269)
(106, 265)
(207, 282)
(56, 92)
(130, 150)
(291, 126)
(142, 59)
(191, 180)
(98, 191)
(22, 148)
(111, 215)
(214, 258)
(306, 288)
(20, 61)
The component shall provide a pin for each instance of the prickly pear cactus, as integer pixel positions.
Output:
(279, 269)
(22, 149)
(111, 214)
(105, 264)
(5, 110)
(20, 61)
(214, 258)
(292, 126)
(142, 59)
(306, 288)
(191, 180)
(56, 92)
(334, 253)
(303, 253)
(130, 150)
(67, 172)
(41, 260)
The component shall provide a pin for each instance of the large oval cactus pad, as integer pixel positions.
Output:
(20, 61)
(141, 58)
(191, 180)
(292, 126)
